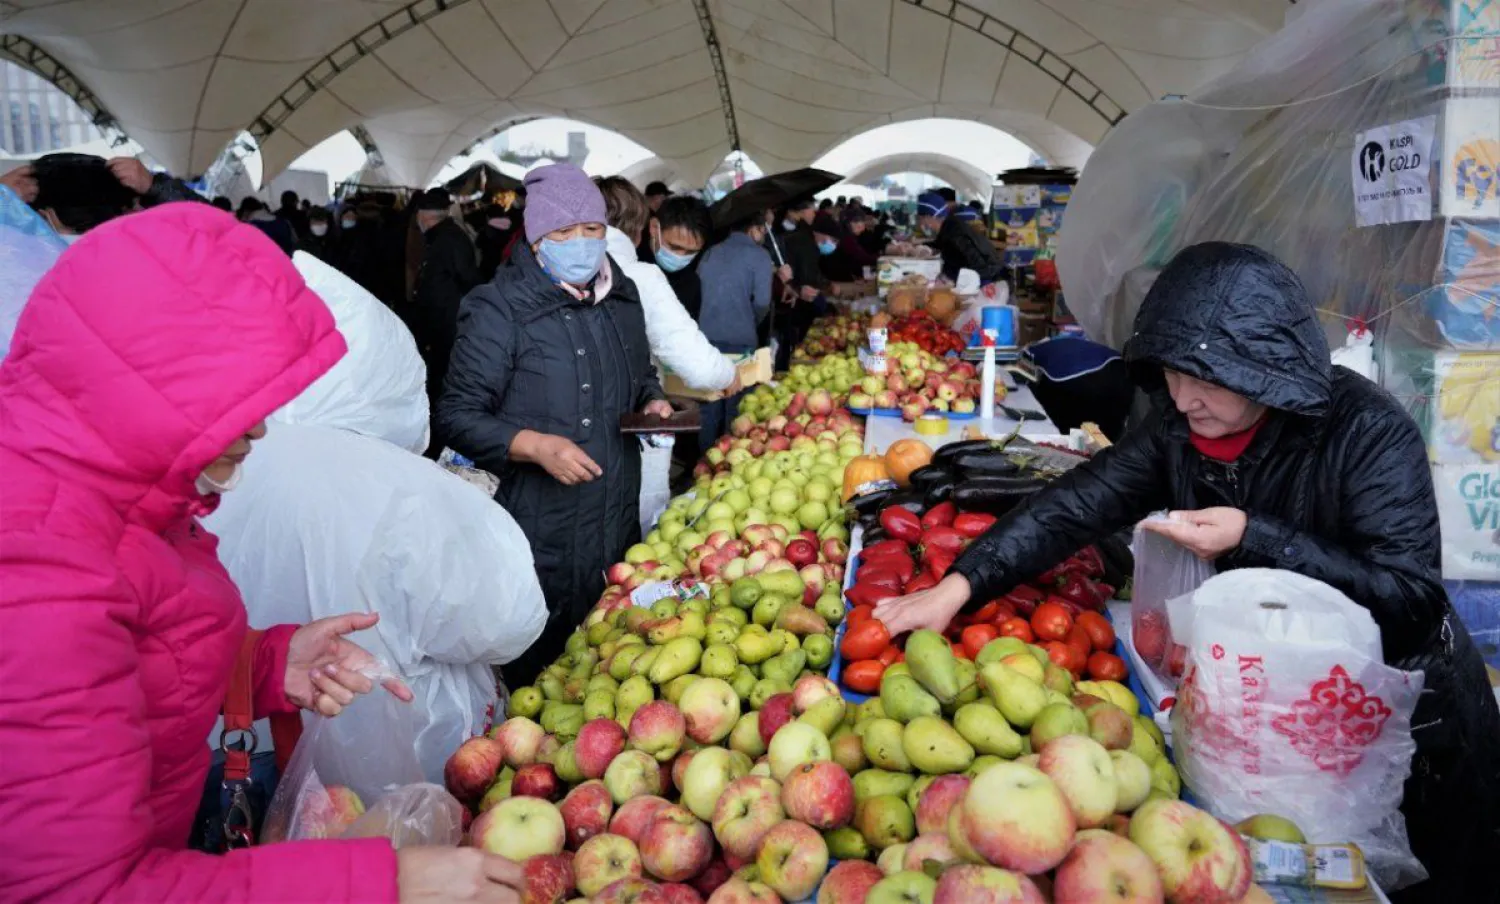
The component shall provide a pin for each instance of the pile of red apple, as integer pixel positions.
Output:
(922, 330)
(915, 383)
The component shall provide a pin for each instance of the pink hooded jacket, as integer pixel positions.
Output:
(155, 342)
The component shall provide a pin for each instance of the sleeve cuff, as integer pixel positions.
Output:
(1271, 539)
(270, 672)
(974, 572)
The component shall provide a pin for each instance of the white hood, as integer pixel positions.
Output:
(379, 388)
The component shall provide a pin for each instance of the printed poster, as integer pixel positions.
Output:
(1392, 171)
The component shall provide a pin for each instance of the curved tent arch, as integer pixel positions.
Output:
(963, 177)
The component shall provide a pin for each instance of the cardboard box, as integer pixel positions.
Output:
(1465, 307)
(753, 369)
(891, 270)
(1468, 500)
(1471, 158)
(1454, 397)
(1474, 59)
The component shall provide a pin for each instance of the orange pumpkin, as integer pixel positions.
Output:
(905, 456)
(862, 470)
(942, 304)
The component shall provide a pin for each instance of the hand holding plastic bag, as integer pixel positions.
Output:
(1287, 708)
(362, 781)
(1163, 571)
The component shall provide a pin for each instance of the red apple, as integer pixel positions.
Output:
(599, 742)
(743, 891)
(808, 690)
(819, 794)
(776, 712)
(676, 845)
(536, 780)
(471, 769)
(792, 860)
(801, 552)
(745, 812)
(548, 879)
(971, 884)
(678, 893)
(605, 859)
(631, 818)
(586, 812)
(1104, 868)
(630, 890)
(658, 728)
(1199, 859)
(1015, 818)
(849, 882)
(714, 875)
(942, 795)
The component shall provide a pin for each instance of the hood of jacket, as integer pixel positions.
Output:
(1236, 317)
(379, 388)
(151, 346)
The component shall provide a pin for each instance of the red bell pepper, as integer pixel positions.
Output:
(1087, 593)
(938, 563)
(940, 515)
(884, 547)
(973, 524)
(881, 578)
(1091, 561)
(901, 523)
(869, 594)
(945, 539)
(923, 581)
(1024, 600)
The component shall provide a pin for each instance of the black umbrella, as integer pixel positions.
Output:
(481, 178)
(757, 196)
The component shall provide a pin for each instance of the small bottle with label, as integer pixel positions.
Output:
(1340, 866)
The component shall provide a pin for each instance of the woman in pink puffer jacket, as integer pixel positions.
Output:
(142, 367)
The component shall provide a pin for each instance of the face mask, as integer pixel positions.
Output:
(500, 223)
(318, 228)
(207, 486)
(827, 248)
(671, 262)
(788, 225)
(348, 224)
(574, 261)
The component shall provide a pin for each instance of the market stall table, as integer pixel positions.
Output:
(881, 431)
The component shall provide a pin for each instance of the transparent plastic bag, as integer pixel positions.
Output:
(363, 783)
(1287, 708)
(1163, 571)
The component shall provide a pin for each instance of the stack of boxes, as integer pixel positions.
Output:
(1027, 219)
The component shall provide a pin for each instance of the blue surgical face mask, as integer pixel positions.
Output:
(574, 261)
(670, 261)
(788, 225)
(826, 248)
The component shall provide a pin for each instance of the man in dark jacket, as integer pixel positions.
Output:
(318, 242)
(1277, 459)
(800, 247)
(678, 230)
(550, 355)
(449, 269)
(961, 246)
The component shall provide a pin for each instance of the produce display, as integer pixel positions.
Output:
(836, 335)
(927, 332)
(917, 381)
(689, 746)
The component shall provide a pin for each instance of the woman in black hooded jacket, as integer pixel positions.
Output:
(1277, 459)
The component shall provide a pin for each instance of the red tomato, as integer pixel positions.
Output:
(865, 640)
(890, 656)
(986, 613)
(859, 615)
(864, 676)
(958, 651)
(1107, 667)
(976, 636)
(1078, 639)
(1051, 622)
(1017, 627)
(1065, 656)
(1101, 632)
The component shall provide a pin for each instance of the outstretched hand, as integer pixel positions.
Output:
(324, 670)
(1206, 533)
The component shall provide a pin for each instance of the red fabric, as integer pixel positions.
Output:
(1225, 448)
(152, 344)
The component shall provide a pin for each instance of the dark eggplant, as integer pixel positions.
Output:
(874, 533)
(866, 503)
(946, 454)
(986, 464)
(928, 476)
(911, 499)
(994, 495)
(939, 492)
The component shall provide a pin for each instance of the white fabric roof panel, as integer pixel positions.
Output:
(426, 78)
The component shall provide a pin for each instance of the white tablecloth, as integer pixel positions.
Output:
(880, 432)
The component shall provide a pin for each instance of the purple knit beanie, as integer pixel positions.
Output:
(559, 196)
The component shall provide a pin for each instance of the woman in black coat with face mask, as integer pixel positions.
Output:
(1277, 459)
(549, 355)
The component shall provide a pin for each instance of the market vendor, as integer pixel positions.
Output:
(141, 371)
(550, 354)
(1274, 458)
(961, 247)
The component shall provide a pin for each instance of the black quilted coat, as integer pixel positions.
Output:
(530, 356)
(1337, 487)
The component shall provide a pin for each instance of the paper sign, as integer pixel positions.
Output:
(1392, 171)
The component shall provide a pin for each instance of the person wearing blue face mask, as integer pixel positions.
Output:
(550, 354)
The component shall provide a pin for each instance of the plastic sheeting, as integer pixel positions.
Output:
(333, 515)
(1327, 118)
(28, 249)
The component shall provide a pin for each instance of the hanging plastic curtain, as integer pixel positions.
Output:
(28, 249)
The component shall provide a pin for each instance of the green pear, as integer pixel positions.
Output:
(598, 704)
(885, 820)
(904, 887)
(831, 607)
(634, 693)
(819, 649)
(1270, 827)
(846, 843)
(718, 660)
(801, 621)
(870, 709)
(766, 609)
(1142, 744)
(642, 664)
(1164, 778)
(1018, 698)
(565, 764)
(998, 649)
(1056, 720)
(881, 743)
(784, 667)
(598, 632)
(984, 728)
(743, 681)
(754, 645)
(672, 690)
(765, 689)
(914, 796)
(664, 608)
(826, 715)
(934, 747)
(601, 682)
(785, 584)
(551, 685)
(721, 632)
(904, 699)
(677, 658)
(526, 701)
(1058, 679)
(745, 593)
(745, 736)
(931, 660)
(693, 624)
(563, 720)
(785, 640)
(870, 783)
(1151, 729)
(981, 763)
(734, 617)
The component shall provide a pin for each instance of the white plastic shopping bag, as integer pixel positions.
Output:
(365, 783)
(1287, 707)
(656, 478)
(1164, 571)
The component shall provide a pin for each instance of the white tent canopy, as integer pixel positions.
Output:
(784, 80)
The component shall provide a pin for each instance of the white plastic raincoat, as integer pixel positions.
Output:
(335, 513)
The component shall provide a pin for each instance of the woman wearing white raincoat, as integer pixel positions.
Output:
(339, 512)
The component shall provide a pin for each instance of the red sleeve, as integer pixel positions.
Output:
(269, 672)
(76, 759)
